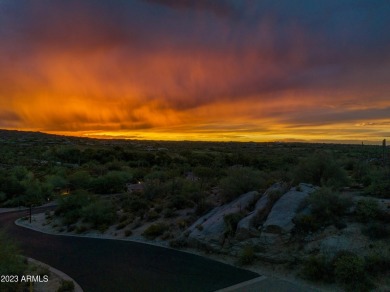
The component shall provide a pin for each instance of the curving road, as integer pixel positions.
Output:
(110, 265)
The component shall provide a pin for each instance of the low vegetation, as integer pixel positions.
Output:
(66, 286)
(326, 207)
(11, 262)
(347, 269)
(155, 230)
(247, 255)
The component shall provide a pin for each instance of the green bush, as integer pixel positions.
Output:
(99, 213)
(305, 223)
(178, 243)
(110, 183)
(11, 262)
(240, 180)
(121, 225)
(367, 209)
(327, 206)
(376, 230)
(72, 202)
(231, 221)
(350, 273)
(321, 169)
(377, 264)
(66, 286)
(170, 213)
(247, 255)
(152, 215)
(203, 207)
(379, 183)
(155, 230)
(136, 205)
(180, 202)
(317, 268)
(81, 229)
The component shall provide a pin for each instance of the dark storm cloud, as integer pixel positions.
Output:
(8, 118)
(218, 7)
(325, 116)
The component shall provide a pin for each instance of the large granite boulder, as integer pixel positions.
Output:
(247, 227)
(210, 228)
(280, 219)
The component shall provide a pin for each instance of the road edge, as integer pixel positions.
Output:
(60, 274)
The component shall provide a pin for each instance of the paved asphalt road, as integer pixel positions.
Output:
(111, 265)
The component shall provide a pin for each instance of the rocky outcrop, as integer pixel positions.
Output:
(247, 227)
(273, 212)
(209, 229)
(280, 219)
(331, 241)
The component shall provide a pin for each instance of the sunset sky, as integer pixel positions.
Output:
(226, 70)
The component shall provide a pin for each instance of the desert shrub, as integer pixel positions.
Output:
(231, 222)
(158, 208)
(305, 223)
(321, 169)
(80, 179)
(81, 229)
(99, 213)
(155, 230)
(123, 218)
(11, 262)
(317, 268)
(367, 209)
(274, 195)
(3, 196)
(152, 215)
(121, 225)
(136, 205)
(43, 271)
(247, 255)
(167, 235)
(71, 228)
(182, 224)
(240, 180)
(376, 230)
(170, 213)
(377, 264)
(180, 202)
(66, 286)
(350, 273)
(203, 207)
(110, 183)
(379, 183)
(178, 243)
(327, 206)
(48, 215)
(71, 216)
(72, 203)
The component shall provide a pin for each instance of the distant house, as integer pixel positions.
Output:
(135, 188)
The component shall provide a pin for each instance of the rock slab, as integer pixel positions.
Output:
(210, 227)
(280, 218)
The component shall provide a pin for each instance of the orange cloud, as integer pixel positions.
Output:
(207, 77)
